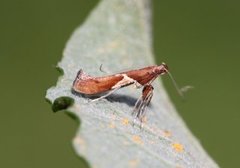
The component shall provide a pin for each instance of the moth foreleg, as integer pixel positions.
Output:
(143, 102)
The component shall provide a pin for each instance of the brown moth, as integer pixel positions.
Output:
(89, 85)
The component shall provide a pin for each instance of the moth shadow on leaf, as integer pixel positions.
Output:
(115, 97)
(120, 98)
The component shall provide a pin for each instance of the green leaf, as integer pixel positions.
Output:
(117, 34)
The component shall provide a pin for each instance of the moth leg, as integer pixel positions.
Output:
(137, 85)
(137, 104)
(106, 95)
(144, 106)
(143, 102)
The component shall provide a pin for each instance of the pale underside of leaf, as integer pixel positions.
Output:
(117, 34)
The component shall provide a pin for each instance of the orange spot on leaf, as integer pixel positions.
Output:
(178, 147)
(137, 139)
(167, 133)
(133, 163)
(125, 121)
(144, 119)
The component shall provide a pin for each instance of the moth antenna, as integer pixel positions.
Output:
(175, 84)
(186, 88)
(101, 68)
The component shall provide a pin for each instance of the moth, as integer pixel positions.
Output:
(106, 85)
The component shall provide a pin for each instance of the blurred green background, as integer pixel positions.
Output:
(199, 40)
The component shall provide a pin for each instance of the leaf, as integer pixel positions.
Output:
(117, 34)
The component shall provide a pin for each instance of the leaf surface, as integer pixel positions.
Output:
(117, 34)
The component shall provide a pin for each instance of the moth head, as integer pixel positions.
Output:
(161, 69)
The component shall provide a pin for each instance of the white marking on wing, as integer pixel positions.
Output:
(125, 81)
